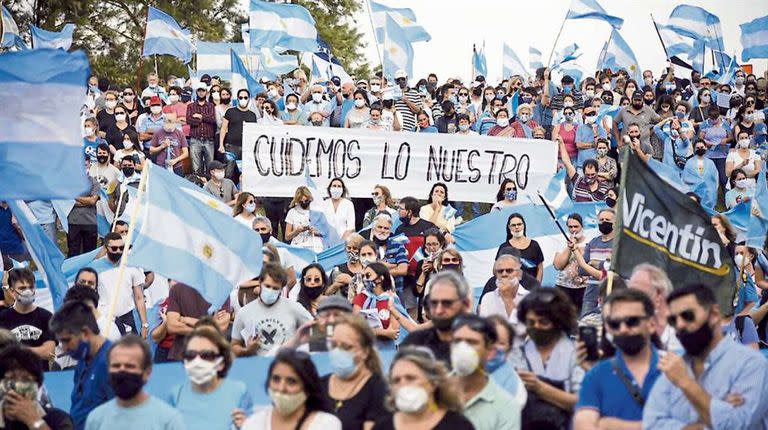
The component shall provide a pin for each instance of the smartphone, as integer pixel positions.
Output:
(588, 335)
(318, 338)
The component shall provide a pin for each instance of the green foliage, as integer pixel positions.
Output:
(112, 31)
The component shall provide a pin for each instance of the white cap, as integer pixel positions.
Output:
(401, 74)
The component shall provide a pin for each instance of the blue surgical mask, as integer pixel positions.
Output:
(369, 285)
(81, 353)
(269, 296)
(342, 363)
(496, 362)
(510, 195)
(680, 115)
(567, 89)
(453, 99)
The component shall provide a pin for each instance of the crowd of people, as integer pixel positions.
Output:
(410, 344)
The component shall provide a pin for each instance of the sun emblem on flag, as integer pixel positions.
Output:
(633, 67)
(282, 24)
(393, 50)
(207, 251)
(213, 203)
(406, 20)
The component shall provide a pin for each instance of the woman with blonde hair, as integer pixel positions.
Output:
(245, 208)
(726, 231)
(382, 203)
(298, 227)
(422, 396)
(207, 360)
(356, 388)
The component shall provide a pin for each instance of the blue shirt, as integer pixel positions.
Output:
(89, 147)
(729, 368)
(153, 414)
(146, 123)
(10, 242)
(714, 134)
(747, 294)
(91, 387)
(428, 129)
(603, 390)
(203, 411)
(396, 253)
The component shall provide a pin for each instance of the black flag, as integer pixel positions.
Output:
(658, 224)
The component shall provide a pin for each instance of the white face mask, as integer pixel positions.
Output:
(286, 404)
(110, 104)
(290, 106)
(567, 104)
(216, 96)
(127, 144)
(250, 207)
(88, 131)
(411, 398)
(741, 183)
(375, 88)
(606, 87)
(743, 143)
(524, 117)
(272, 93)
(218, 175)
(463, 99)
(502, 122)
(317, 97)
(740, 260)
(336, 192)
(201, 371)
(464, 359)
(463, 127)
(705, 99)
(156, 109)
(359, 103)
(243, 103)
(590, 119)
(173, 98)
(590, 93)
(120, 117)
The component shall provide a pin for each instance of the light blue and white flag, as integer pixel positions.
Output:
(241, 77)
(403, 17)
(215, 59)
(534, 58)
(165, 36)
(728, 74)
(271, 64)
(45, 253)
(511, 63)
(757, 229)
(192, 242)
(620, 56)
(62, 209)
(754, 39)
(43, 125)
(479, 65)
(696, 55)
(674, 42)
(591, 9)
(52, 39)
(10, 36)
(324, 66)
(330, 237)
(569, 53)
(698, 24)
(288, 26)
(556, 195)
(398, 52)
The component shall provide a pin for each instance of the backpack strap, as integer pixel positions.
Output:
(633, 389)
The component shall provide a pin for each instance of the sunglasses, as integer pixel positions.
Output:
(505, 270)
(463, 94)
(375, 194)
(242, 98)
(190, 355)
(687, 316)
(447, 303)
(370, 277)
(509, 189)
(127, 94)
(116, 248)
(630, 322)
(313, 280)
(451, 261)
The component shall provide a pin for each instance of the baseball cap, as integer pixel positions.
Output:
(201, 86)
(155, 101)
(334, 302)
(206, 78)
(637, 94)
(216, 165)
(336, 80)
(401, 74)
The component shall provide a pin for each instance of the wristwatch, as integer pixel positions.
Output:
(37, 425)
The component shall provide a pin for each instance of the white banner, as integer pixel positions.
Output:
(274, 159)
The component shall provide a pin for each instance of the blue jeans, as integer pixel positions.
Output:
(720, 164)
(201, 151)
(589, 305)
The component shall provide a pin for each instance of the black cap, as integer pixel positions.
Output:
(216, 165)
(206, 78)
(637, 94)
(336, 81)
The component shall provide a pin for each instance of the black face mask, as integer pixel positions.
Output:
(543, 337)
(313, 293)
(126, 385)
(701, 151)
(453, 267)
(379, 242)
(477, 91)
(648, 102)
(697, 341)
(102, 159)
(610, 201)
(114, 256)
(442, 324)
(605, 227)
(629, 344)
(304, 205)
(128, 171)
(265, 237)
(225, 101)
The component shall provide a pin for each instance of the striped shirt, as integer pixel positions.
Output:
(582, 192)
(408, 118)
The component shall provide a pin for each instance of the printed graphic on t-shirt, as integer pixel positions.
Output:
(26, 333)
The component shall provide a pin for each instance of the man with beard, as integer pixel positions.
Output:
(613, 392)
(130, 293)
(718, 383)
(448, 298)
(636, 113)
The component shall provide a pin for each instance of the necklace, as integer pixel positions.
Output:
(348, 395)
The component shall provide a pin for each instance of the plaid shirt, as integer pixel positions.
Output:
(204, 128)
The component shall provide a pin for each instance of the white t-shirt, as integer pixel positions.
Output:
(104, 175)
(298, 217)
(342, 218)
(245, 221)
(262, 420)
(493, 304)
(122, 153)
(108, 274)
(749, 169)
(274, 325)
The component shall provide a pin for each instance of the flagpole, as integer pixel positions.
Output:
(552, 214)
(605, 52)
(155, 57)
(552, 52)
(375, 38)
(126, 243)
(658, 34)
(119, 204)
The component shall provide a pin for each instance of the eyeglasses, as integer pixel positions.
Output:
(447, 303)
(630, 322)
(116, 248)
(190, 355)
(242, 98)
(687, 316)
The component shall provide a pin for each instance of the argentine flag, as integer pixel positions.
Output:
(10, 36)
(46, 254)
(288, 26)
(556, 195)
(591, 9)
(41, 144)
(675, 43)
(619, 55)
(215, 59)
(398, 52)
(697, 23)
(757, 229)
(512, 64)
(754, 39)
(52, 39)
(165, 36)
(272, 64)
(330, 237)
(534, 58)
(241, 77)
(191, 241)
(569, 53)
(403, 17)
(479, 64)
(324, 66)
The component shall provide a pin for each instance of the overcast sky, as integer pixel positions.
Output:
(455, 25)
